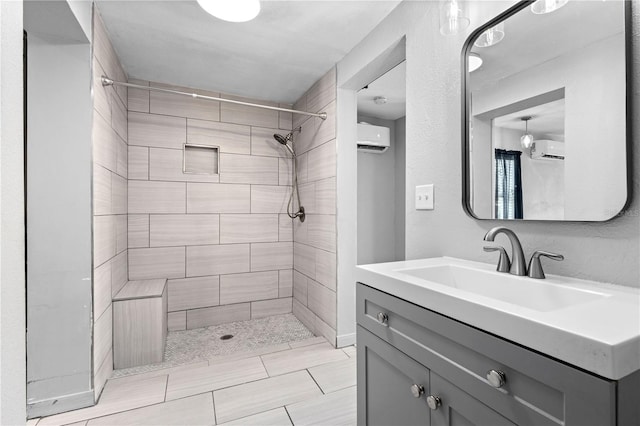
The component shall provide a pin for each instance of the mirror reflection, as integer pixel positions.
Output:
(546, 113)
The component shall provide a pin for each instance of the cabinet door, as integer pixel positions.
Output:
(385, 380)
(459, 408)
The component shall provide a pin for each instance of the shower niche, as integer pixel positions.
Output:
(200, 159)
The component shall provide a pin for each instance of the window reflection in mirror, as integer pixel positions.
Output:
(546, 114)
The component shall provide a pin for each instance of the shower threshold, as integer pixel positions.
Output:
(202, 344)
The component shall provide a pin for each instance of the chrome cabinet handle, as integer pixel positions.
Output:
(496, 378)
(417, 390)
(434, 402)
(383, 318)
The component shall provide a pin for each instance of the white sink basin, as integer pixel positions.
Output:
(526, 292)
(592, 325)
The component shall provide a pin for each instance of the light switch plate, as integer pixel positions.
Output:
(424, 197)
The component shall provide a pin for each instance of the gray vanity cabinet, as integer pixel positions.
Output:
(401, 344)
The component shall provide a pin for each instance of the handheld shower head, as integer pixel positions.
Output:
(284, 140)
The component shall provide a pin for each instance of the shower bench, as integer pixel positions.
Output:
(140, 323)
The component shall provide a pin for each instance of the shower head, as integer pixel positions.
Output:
(284, 140)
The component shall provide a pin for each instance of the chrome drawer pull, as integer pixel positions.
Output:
(383, 318)
(434, 402)
(496, 378)
(417, 390)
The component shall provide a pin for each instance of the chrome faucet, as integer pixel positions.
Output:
(518, 265)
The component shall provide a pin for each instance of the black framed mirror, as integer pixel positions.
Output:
(545, 112)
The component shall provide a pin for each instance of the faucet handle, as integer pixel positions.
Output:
(535, 266)
(504, 264)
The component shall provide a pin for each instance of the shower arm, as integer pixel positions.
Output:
(106, 81)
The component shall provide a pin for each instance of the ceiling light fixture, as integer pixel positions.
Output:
(541, 7)
(379, 100)
(493, 35)
(231, 10)
(527, 139)
(453, 18)
(475, 62)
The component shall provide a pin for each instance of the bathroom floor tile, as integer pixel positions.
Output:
(217, 376)
(335, 409)
(301, 358)
(116, 397)
(262, 395)
(335, 375)
(350, 350)
(276, 417)
(308, 342)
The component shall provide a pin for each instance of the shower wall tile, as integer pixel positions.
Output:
(105, 54)
(192, 293)
(236, 168)
(269, 199)
(121, 233)
(314, 276)
(119, 272)
(217, 260)
(138, 163)
(285, 118)
(218, 198)
(300, 290)
(105, 140)
(285, 171)
(266, 308)
(240, 114)
(101, 288)
(322, 232)
(138, 99)
(270, 256)
(183, 230)
(326, 268)
(177, 321)
(101, 94)
(322, 161)
(300, 105)
(285, 283)
(118, 194)
(304, 259)
(158, 131)
(148, 263)
(322, 302)
(322, 92)
(248, 228)
(285, 232)
(197, 318)
(101, 191)
(122, 154)
(263, 143)
(157, 197)
(102, 336)
(183, 106)
(104, 239)
(167, 164)
(138, 230)
(119, 117)
(230, 138)
(236, 288)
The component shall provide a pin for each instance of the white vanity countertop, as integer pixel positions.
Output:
(601, 336)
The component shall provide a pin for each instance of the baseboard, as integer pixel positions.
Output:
(346, 340)
(60, 404)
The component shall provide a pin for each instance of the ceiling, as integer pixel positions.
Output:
(534, 39)
(275, 57)
(392, 86)
(546, 119)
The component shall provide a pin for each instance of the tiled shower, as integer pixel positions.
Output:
(221, 235)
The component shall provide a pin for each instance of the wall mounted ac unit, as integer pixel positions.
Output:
(373, 139)
(545, 149)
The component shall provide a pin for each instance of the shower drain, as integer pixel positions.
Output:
(226, 337)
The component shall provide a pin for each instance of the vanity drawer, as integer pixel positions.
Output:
(538, 390)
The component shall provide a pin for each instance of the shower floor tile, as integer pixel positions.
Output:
(203, 344)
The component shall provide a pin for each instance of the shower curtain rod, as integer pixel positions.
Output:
(106, 81)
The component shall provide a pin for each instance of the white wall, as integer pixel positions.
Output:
(400, 179)
(12, 280)
(608, 251)
(594, 122)
(376, 200)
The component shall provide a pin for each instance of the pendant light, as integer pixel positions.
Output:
(493, 35)
(475, 62)
(527, 139)
(453, 17)
(541, 7)
(231, 10)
